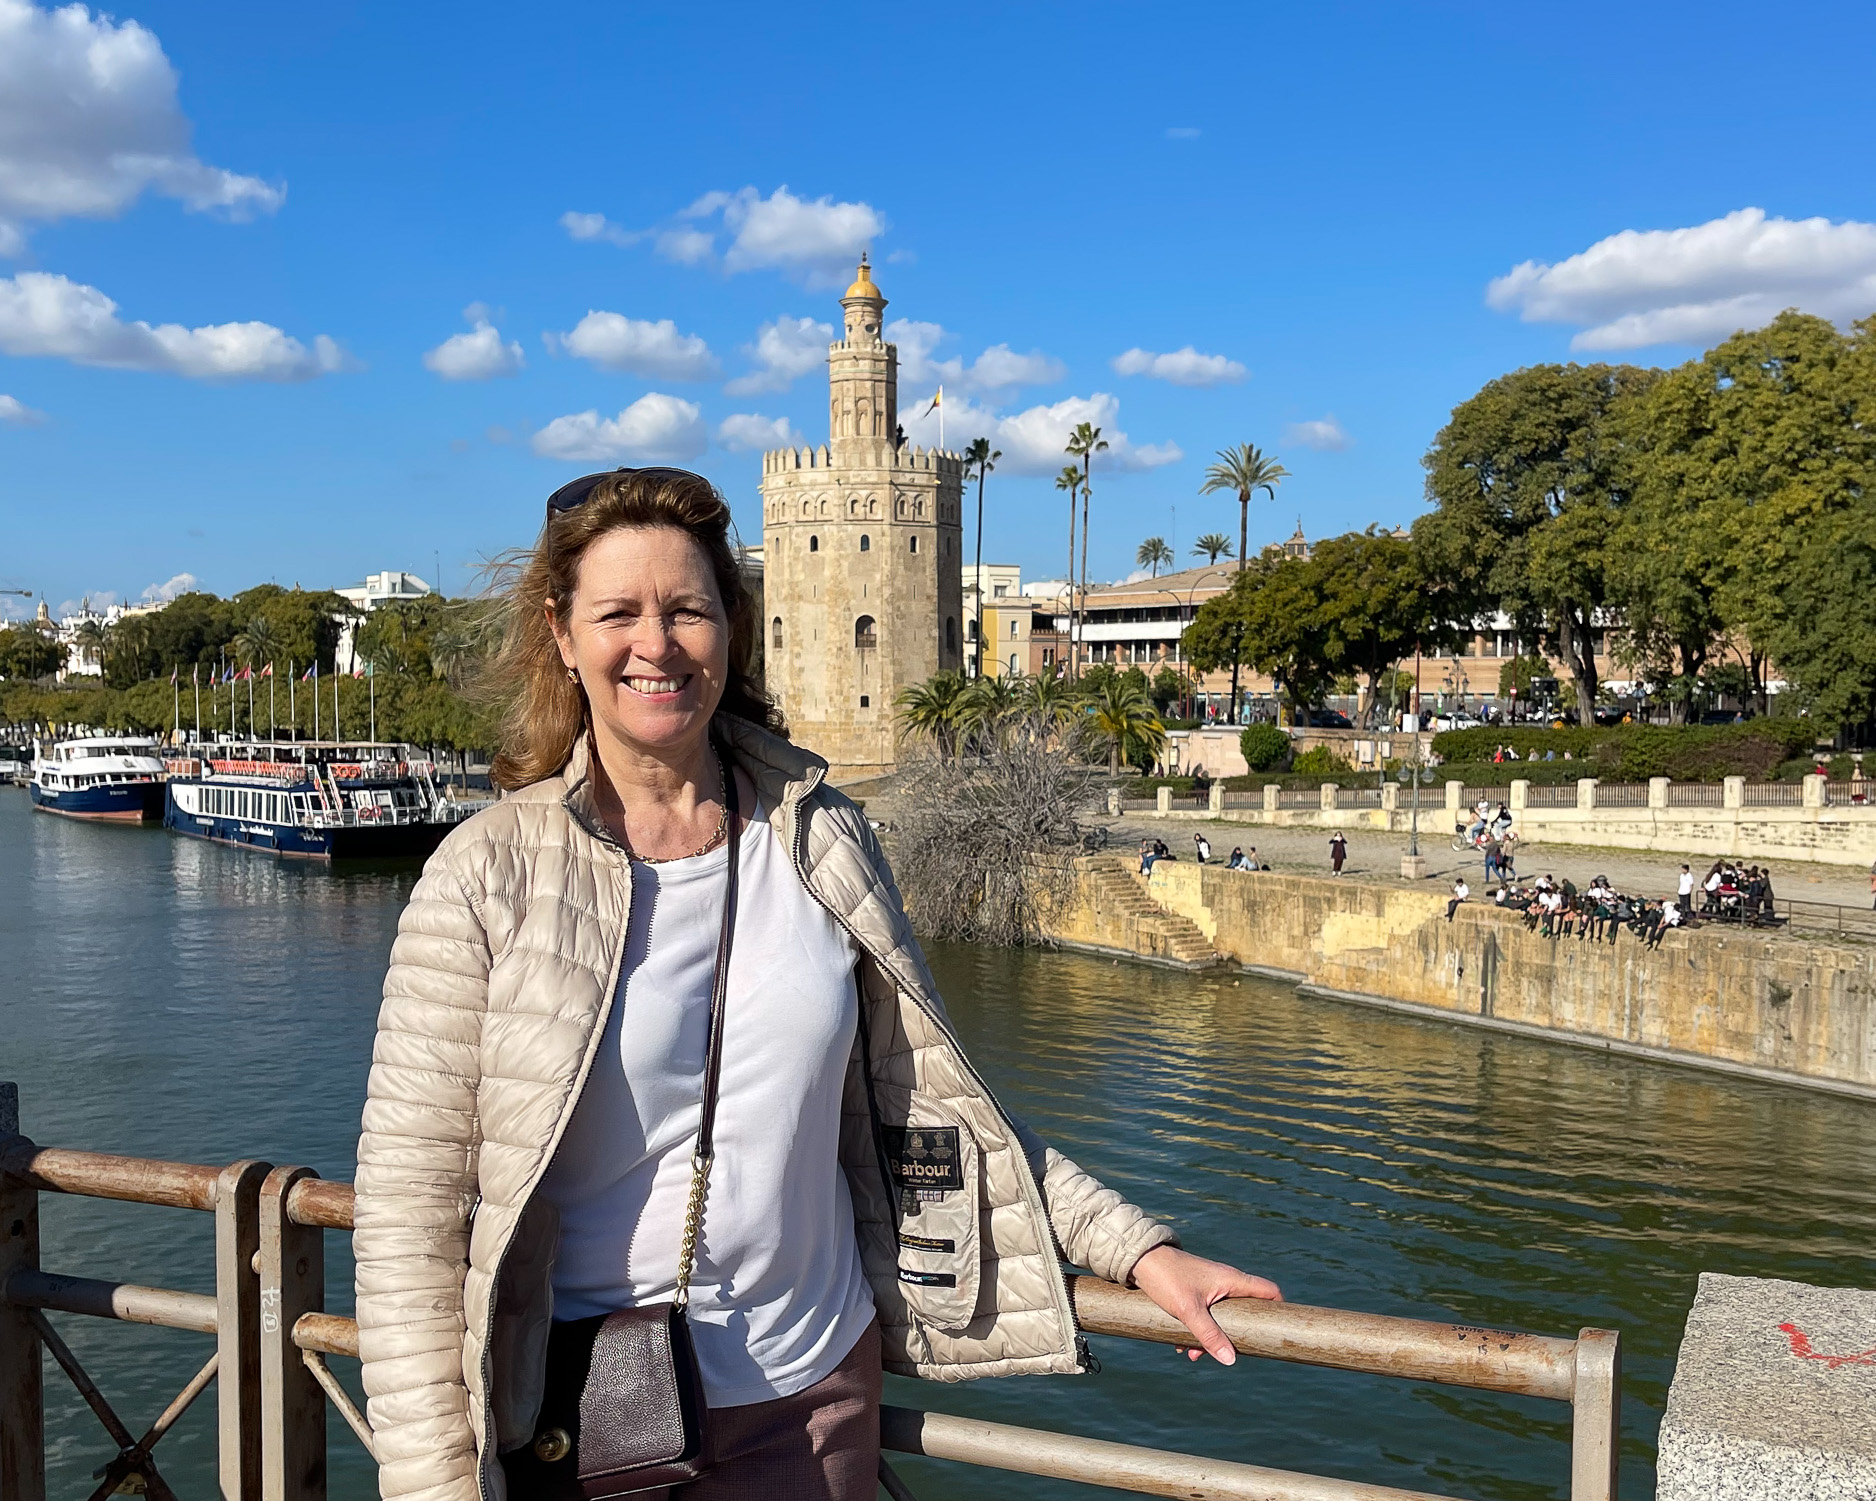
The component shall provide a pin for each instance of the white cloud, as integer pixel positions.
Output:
(744, 431)
(589, 227)
(1033, 441)
(89, 121)
(163, 593)
(660, 428)
(1697, 285)
(815, 241)
(15, 413)
(997, 368)
(479, 354)
(784, 351)
(44, 314)
(638, 346)
(1324, 434)
(1182, 367)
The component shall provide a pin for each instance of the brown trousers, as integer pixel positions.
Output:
(818, 1445)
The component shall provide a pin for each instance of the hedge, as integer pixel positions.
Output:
(1636, 752)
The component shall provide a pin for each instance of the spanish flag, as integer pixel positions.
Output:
(936, 402)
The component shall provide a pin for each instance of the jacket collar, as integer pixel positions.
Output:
(784, 773)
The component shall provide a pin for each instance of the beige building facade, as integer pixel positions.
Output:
(861, 548)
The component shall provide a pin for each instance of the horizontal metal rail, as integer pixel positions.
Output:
(274, 1336)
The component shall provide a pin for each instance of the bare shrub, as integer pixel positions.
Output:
(984, 845)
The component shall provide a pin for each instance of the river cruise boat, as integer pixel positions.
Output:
(116, 778)
(316, 800)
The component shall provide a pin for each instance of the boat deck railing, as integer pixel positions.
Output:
(273, 1340)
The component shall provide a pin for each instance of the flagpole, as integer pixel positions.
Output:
(336, 675)
(175, 694)
(195, 682)
(941, 426)
(315, 698)
(293, 697)
(271, 723)
(250, 700)
(371, 682)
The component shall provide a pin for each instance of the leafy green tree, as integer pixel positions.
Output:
(1268, 618)
(1213, 546)
(1166, 689)
(1374, 606)
(1153, 553)
(1529, 481)
(27, 652)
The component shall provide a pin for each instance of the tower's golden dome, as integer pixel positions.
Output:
(863, 284)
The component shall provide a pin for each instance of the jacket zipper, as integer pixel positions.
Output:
(1084, 1357)
(490, 1453)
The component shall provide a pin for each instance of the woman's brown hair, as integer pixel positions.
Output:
(542, 713)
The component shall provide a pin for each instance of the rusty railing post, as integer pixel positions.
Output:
(22, 1380)
(238, 1327)
(293, 1408)
(1596, 1429)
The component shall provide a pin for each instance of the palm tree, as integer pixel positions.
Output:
(467, 635)
(1152, 553)
(928, 710)
(1084, 443)
(91, 639)
(1213, 546)
(1048, 702)
(1070, 480)
(1245, 470)
(979, 459)
(1122, 716)
(983, 710)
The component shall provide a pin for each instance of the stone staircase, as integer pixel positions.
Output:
(1121, 896)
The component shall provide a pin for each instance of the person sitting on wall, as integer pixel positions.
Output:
(1251, 862)
(1460, 892)
(1203, 846)
(1669, 916)
(1236, 862)
(1149, 852)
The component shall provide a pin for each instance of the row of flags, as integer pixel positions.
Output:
(228, 674)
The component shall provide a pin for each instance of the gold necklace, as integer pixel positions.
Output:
(722, 828)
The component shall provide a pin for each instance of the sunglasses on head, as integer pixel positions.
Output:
(575, 493)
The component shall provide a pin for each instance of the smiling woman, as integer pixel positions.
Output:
(671, 943)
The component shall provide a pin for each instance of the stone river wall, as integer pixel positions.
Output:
(1772, 1005)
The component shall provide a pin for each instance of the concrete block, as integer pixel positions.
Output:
(1163, 800)
(1774, 1395)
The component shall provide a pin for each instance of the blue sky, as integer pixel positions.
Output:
(1315, 213)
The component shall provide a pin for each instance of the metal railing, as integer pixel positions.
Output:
(273, 1338)
(1622, 795)
(1774, 794)
(1691, 795)
(1551, 797)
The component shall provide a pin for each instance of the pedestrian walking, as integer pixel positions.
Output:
(1338, 852)
(1492, 851)
(1460, 892)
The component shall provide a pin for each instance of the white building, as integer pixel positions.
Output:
(389, 587)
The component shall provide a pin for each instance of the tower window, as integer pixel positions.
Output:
(775, 633)
(865, 633)
(866, 701)
(866, 543)
(814, 544)
(915, 544)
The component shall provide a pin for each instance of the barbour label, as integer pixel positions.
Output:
(926, 1158)
(926, 1243)
(927, 1279)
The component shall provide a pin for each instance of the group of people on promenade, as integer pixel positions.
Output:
(1152, 851)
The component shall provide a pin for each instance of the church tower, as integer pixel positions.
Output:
(861, 552)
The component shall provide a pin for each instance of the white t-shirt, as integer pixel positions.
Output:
(1687, 884)
(778, 1297)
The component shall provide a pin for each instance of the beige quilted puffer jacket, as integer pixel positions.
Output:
(505, 965)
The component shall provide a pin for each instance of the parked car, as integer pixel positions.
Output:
(1460, 721)
(1330, 719)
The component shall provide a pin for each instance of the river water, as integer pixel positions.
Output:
(170, 998)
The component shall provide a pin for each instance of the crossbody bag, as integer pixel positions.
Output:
(623, 1409)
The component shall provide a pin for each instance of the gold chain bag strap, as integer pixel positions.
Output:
(623, 1410)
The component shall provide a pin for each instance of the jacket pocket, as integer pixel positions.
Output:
(936, 1164)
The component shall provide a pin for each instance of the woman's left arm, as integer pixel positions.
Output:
(1120, 1242)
